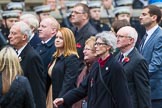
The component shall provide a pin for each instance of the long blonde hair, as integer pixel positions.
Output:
(9, 67)
(69, 43)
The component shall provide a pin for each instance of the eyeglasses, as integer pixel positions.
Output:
(99, 44)
(89, 49)
(120, 36)
(77, 12)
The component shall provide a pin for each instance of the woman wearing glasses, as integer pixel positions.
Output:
(90, 57)
(106, 84)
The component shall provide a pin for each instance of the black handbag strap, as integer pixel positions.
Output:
(108, 90)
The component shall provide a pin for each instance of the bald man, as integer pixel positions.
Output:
(135, 67)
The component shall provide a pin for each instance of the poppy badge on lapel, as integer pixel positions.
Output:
(78, 45)
(126, 59)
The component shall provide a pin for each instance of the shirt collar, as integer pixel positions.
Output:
(31, 36)
(127, 52)
(20, 50)
(151, 31)
(44, 42)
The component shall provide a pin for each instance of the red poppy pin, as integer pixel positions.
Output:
(78, 45)
(126, 59)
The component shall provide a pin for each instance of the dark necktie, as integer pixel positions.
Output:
(16, 51)
(143, 41)
(120, 58)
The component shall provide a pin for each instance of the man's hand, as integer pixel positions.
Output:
(57, 102)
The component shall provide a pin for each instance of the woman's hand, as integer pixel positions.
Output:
(57, 102)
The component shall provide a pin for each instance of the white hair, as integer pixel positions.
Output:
(109, 38)
(31, 19)
(131, 32)
(24, 28)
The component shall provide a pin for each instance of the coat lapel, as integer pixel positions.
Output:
(23, 53)
(130, 56)
(150, 39)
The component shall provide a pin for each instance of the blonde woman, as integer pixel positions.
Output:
(15, 90)
(65, 66)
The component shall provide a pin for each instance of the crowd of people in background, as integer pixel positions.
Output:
(81, 61)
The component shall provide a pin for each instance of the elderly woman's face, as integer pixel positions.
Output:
(89, 54)
(101, 47)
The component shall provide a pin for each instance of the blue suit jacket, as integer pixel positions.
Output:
(152, 52)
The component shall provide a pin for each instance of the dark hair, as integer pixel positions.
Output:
(117, 24)
(85, 8)
(154, 10)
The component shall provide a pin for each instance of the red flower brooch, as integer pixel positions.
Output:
(78, 45)
(126, 59)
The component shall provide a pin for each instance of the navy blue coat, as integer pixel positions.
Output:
(46, 51)
(99, 26)
(35, 40)
(19, 95)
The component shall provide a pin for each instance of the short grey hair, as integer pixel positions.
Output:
(109, 38)
(131, 32)
(24, 29)
(31, 20)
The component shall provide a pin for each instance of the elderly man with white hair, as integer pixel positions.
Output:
(33, 22)
(135, 67)
(31, 62)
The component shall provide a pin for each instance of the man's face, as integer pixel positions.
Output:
(124, 16)
(123, 40)
(77, 15)
(145, 18)
(16, 38)
(45, 29)
(107, 3)
(52, 3)
(11, 21)
(95, 13)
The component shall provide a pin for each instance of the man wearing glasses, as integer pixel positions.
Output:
(135, 67)
(82, 28)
